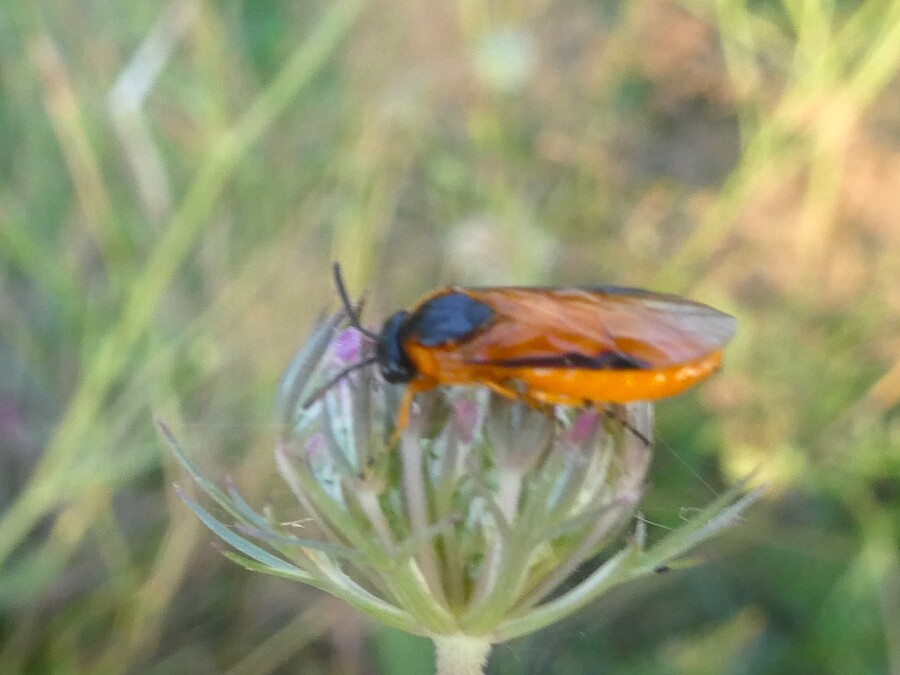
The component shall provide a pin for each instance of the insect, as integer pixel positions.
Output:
(550, 346)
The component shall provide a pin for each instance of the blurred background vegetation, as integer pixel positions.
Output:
(175, 178)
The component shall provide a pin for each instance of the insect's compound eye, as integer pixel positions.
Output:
(395, 366)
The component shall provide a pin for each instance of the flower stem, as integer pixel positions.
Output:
(461, 654)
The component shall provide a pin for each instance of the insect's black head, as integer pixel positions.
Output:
(393, 362)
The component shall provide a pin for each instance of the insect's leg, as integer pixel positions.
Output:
(508, 392)
(616, 413)
(403, 410)
(521, 395)
(412, 388)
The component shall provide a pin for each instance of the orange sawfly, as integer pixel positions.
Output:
(546, 346)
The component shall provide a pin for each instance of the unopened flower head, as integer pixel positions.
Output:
(466, 523)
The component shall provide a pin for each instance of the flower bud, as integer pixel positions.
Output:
(465, 525)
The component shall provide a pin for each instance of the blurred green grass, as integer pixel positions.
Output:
(176, 179)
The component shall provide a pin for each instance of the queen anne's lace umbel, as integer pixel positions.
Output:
(464, 526)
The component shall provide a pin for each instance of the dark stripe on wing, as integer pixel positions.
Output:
(608, 360)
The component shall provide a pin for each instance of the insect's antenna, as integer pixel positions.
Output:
(321, 391)
(352, 312)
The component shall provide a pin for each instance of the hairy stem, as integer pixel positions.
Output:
(461, 654)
